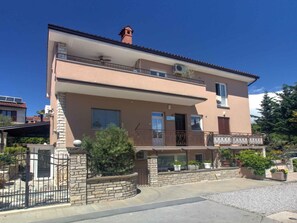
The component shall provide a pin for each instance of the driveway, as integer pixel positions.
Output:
(182, 201)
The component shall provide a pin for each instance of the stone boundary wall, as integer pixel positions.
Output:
(183, 177)
(111, 188)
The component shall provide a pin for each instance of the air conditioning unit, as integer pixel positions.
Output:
(219, 100)
(180, 69)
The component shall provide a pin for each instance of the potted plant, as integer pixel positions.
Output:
(279, 174)
(177, 165)
(226, 156)
(192, 165)
(207, 164)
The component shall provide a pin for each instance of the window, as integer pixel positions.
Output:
(199, 158)
(165, 161)
(221, 92)
(101, 118)
(10, 114)
(196, 122)
(141, 155)
(158, 73)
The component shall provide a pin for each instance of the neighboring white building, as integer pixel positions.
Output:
(14, 108)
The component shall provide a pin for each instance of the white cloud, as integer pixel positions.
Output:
(255, 102)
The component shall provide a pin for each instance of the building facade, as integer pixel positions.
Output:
(13, 108)
(171, 106)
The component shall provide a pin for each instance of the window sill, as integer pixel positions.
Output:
(223, 107)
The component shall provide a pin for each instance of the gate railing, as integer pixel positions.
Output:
(29, 179)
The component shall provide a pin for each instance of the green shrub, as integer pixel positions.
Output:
(31, 140)
(14, 150)
(226, 154)
(193, 162)
(6, 159)
(177, 162)
(110, 153)
(255, 161)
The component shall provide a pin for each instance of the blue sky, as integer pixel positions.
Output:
(254, 36)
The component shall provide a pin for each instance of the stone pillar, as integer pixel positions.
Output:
(152, 164)
(61, 120)
(78, 176)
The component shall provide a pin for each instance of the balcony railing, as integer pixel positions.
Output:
(158, 138)
(234, 139)
(125, 68)
(149, 137)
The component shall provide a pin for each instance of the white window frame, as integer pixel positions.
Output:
(219, 97)
(158, 73)
(34, 160)
(200, 122)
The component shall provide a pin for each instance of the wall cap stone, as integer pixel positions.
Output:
(95, 180)
(201, 170)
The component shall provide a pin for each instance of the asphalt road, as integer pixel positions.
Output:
(192, 210)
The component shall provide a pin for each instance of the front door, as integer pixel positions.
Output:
(224, 126)
(158, 128)
(180, 128)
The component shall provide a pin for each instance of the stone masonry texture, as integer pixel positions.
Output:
(111, 188)
(173, 178)
(61, 119)
(152, 164)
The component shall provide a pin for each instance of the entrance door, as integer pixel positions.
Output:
(180, 128)
(224, 126)
(158, 128)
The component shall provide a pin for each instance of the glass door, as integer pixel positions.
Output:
(158, 129)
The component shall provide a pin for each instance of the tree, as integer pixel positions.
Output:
(284, 112)
(110, 153)
(279, 118)
(266, 121)
(5, 121)
(41, 114)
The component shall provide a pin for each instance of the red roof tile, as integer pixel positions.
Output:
(11, 104)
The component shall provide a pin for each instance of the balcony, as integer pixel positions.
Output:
(161, 138)
(234, 140)
(85, 76)
(125, 68)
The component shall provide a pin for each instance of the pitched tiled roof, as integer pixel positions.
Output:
(149, 50)
(11, 104)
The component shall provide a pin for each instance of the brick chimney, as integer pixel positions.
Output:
(126, 35)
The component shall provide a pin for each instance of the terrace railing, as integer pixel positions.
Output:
(150, 137)
(234, 139)
(120, 67)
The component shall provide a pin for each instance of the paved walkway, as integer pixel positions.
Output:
(148, 198)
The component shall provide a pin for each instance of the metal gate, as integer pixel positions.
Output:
(142, 178)
(30, 179)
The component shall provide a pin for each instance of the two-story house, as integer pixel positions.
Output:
(176, 107)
